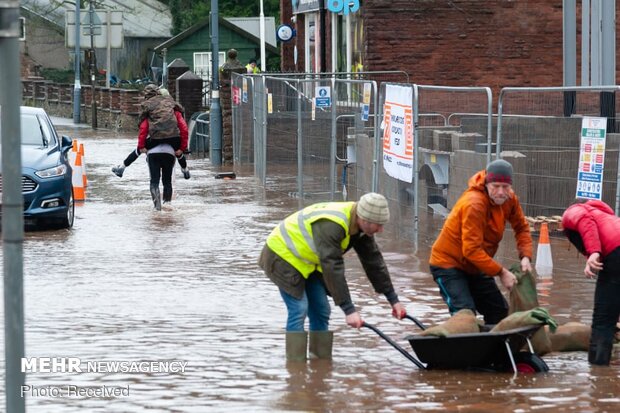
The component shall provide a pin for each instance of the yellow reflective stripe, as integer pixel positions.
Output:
(304, 231)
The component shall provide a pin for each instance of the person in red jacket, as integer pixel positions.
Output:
(161, 121)
(593, 228)
(461, 259)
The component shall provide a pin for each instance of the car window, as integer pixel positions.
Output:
(47, 130)
(32, 132)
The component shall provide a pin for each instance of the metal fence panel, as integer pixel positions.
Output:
(539, 131)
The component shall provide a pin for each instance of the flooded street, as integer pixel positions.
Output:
(129, 283)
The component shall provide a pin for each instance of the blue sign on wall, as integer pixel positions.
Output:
(343, 6)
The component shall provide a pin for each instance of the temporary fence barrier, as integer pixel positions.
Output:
(452, 139)
(539, 131)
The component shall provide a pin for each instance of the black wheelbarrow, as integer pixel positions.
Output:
(500, 351)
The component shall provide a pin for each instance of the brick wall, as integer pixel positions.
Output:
(494, 43)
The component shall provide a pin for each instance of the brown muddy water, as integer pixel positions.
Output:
(131, 284)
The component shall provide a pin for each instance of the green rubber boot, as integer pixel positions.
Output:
(296, 345)
(321, 344)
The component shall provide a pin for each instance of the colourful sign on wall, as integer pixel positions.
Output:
(591, 158)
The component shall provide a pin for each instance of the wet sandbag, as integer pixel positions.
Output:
(523, 295)
(571, 336)
(463, 321)
(536, 316)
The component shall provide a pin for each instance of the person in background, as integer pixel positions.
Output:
(461, 259)
(251, 67)
(161, 121)
(303, 256)
(593, 228)
(160, 159)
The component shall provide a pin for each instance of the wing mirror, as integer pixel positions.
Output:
(66, 144)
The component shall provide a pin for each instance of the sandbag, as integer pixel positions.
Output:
(463, 321)
(523, 295)
(571, 336)
(536, 316)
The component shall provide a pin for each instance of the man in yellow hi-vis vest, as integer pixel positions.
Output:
(303, 256)
(251, 68)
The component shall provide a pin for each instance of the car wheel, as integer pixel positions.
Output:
(67, 220)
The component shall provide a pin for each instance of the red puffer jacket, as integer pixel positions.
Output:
(597, 225)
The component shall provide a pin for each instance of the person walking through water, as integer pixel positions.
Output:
(161, 121)
(461, 259)
(303, 256)
(160, 159)
(593, 228)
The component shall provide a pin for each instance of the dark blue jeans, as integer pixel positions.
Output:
(476, 292)
(313, 304)
(606, 310)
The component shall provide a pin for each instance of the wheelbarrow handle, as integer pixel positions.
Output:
(393, 344)
(416, 321)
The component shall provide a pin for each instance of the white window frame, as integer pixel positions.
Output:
(199, 66)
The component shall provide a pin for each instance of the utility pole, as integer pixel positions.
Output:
(93, 105)
(215, 110)
(12, 206)
(77, 63)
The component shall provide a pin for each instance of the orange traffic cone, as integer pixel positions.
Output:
(81, 151)
(73, 152)
(79, 194)
(544, 261)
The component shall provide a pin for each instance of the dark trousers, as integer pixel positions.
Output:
(476, 292)
(606, 310)
(161, 166)
(175, 142)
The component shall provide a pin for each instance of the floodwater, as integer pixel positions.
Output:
(131, 284)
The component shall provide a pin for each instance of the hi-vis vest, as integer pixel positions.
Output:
(292, 240)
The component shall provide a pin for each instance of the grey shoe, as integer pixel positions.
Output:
(118, 170)
(156, 197)
(185, 172)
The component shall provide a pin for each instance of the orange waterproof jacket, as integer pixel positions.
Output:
(472, 232)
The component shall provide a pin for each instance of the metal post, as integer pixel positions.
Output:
(570, 54)
(164, 69)
(77, 60)
(416, 150)
(12, 205)
(93, 104)
(263, 57)
(333, 146)
(215, 110)
(300, 152)
(378, 139)
(585, 42)
(108, 51)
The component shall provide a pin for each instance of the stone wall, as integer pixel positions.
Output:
(117, 109)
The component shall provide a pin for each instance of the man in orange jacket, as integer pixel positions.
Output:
(462, 261)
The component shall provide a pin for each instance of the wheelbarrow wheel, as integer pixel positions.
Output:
(530, 363)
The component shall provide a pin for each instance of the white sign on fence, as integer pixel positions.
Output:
(398, 132)
(591, 158)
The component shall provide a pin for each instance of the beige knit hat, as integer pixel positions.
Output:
(373, 207)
